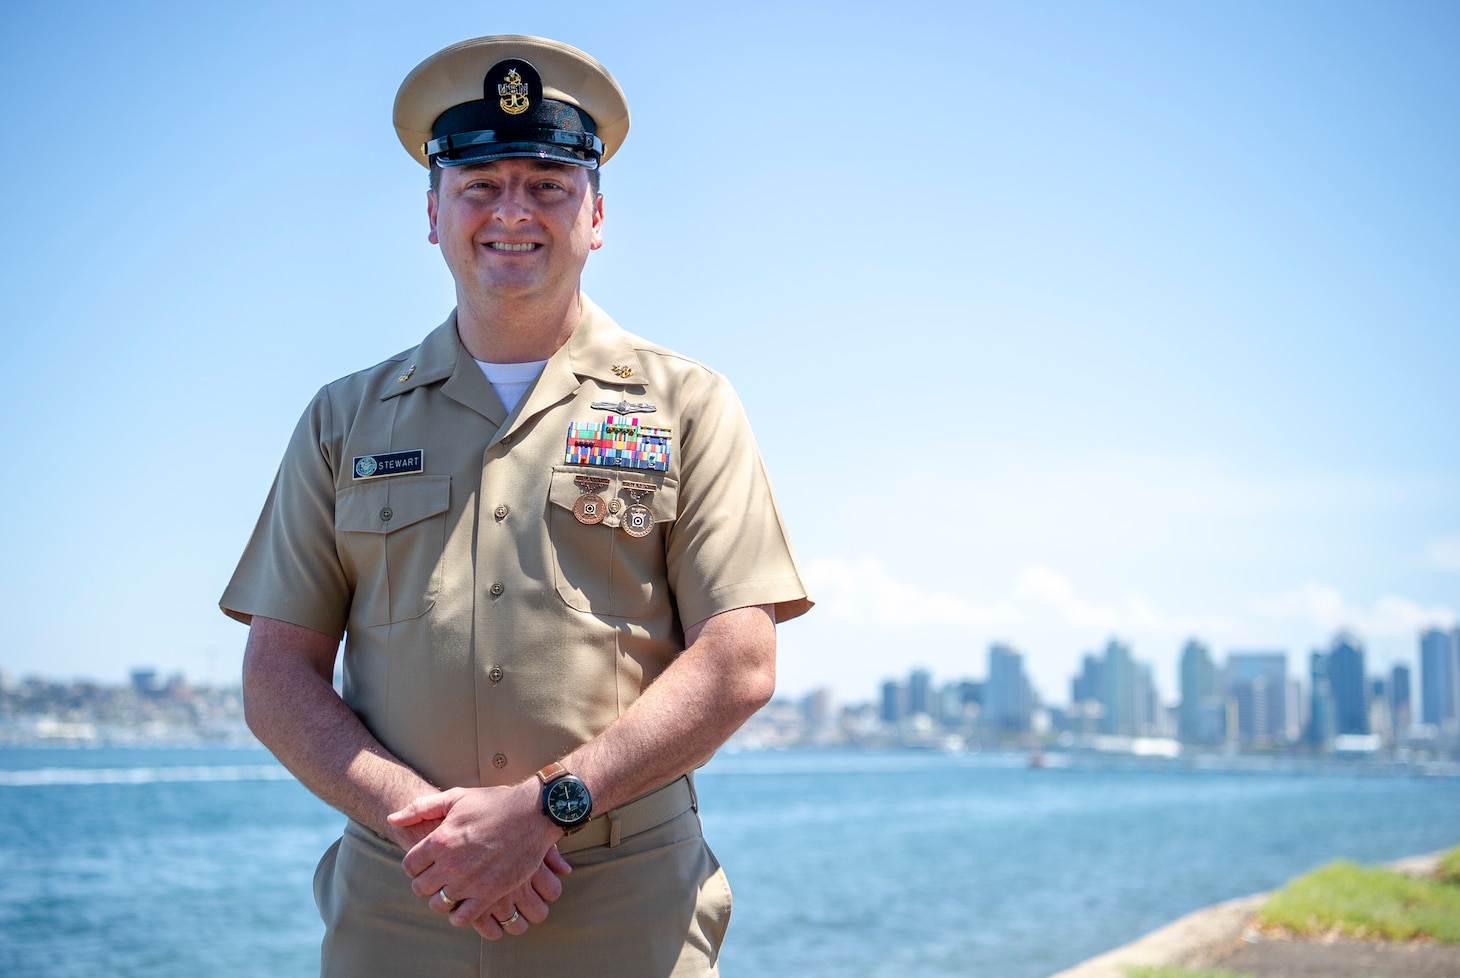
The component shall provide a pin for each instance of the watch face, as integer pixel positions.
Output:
(567, 801)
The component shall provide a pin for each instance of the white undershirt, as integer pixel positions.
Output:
(511, 380)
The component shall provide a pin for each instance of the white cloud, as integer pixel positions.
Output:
(1323, 608)
(863, 592)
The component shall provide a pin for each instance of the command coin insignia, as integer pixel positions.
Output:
(589, 507)
(638, 520)
(619, 443)
(624, 407)
(513, 93)
(389, 463)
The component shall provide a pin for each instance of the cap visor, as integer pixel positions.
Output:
(507, 151)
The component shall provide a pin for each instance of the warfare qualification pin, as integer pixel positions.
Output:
(589, 507)
(638, 520)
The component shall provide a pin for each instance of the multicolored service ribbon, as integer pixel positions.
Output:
(618, 442)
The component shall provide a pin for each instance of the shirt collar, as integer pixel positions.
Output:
(598, 349)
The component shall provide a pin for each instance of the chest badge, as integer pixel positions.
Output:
(638, 519)
(624, 407)
(389, 463)
(590, 507)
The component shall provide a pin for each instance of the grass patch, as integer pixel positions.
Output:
(1366, 902)
(1147, 971)
(1449, 869)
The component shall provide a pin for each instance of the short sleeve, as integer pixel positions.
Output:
(291, 568)
(728, 547)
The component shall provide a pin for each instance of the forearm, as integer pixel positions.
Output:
(725, 675)
(291, 706)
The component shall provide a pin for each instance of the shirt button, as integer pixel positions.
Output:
(386, 514)
(499, 761)
(497, 588)
(496, 674)
(500, 512)
(614, 505)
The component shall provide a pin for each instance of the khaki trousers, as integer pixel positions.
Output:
(654, 906)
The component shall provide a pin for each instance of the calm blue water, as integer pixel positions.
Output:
(174, 864)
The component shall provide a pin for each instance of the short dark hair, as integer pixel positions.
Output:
(593, 177)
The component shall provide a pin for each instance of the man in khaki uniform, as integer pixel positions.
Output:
(555, 561)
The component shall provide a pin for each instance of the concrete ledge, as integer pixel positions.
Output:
(1204, 937)
(1195, 940)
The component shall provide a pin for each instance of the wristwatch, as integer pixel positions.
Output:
(565, 798)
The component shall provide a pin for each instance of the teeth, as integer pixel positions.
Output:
(499, 246)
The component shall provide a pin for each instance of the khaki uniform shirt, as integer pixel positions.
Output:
(488, 629)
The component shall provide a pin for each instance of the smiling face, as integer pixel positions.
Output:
(515, 229)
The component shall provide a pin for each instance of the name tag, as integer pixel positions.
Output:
(389, 463)
(619, 443)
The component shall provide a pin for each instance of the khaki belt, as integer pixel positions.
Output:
(640, 815)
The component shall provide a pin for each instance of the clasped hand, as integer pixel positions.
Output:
(491, 852)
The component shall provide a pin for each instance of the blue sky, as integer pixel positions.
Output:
(1058, 322)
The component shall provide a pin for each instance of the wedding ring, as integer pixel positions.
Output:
(515, 914)
(446, 899)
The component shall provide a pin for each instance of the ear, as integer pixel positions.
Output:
(597, 240)
(431, 216)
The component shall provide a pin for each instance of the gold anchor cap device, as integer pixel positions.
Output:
(506, 96)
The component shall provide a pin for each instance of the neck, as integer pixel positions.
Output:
(506, 331)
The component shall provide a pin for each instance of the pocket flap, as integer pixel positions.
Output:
(392, 504)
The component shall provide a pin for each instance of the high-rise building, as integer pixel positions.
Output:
(1381, 722)
(1007, 699)
(1439, 678)
(1298, 707)
(1321, 720)
(894, 702)
(1256, 682)
(1347, 685)
(1399, 706)
(1148, 712)
(1118, 690)
(816, 709)
(920, 693)
(1199, 717)
(1087, 686)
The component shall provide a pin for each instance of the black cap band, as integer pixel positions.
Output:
(449, 145)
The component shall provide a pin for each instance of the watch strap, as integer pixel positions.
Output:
(551, 772)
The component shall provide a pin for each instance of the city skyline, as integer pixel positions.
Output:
(1264, 682)
(1437, 650)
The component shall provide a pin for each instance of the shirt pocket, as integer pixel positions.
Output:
(391, 535)
(600, 567)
